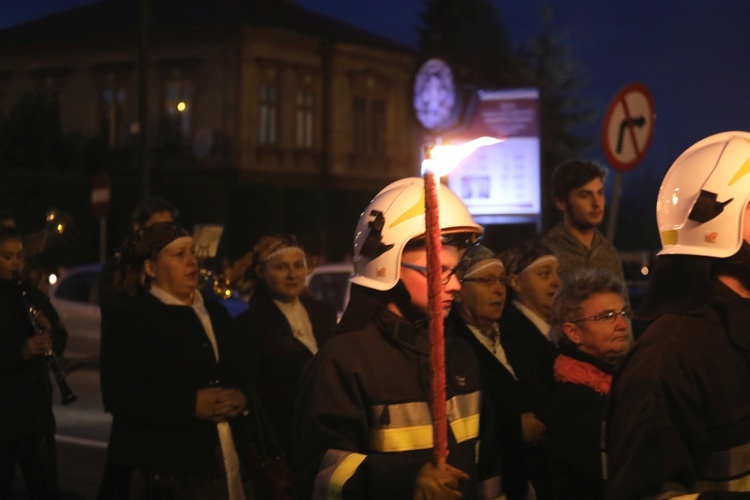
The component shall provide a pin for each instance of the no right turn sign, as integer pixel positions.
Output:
(628, 127)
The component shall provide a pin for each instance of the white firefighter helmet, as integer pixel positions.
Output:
(394, 217)
(700, 209)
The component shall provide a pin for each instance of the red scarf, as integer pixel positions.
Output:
(571, 370)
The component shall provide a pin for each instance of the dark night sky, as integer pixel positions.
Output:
(693, 55)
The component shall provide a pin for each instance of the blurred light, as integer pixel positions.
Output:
(60, 228)
(644, 270)
(181, 106)
(442, 159)
(52, 278)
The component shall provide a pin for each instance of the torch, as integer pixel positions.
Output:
(439, 161)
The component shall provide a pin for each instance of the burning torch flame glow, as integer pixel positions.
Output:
(441, 160)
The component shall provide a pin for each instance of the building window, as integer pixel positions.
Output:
(305, 102)
(359, 125)
(377, 134)
(178, 106)
(112, 109)
(269, 112)
(368, 126)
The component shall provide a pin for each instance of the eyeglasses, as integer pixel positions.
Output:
(486, 281)
(445, 276)
(460, 240)
(607, 317)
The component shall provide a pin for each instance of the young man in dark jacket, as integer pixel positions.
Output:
(364, 413)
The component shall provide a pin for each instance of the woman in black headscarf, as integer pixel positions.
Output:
(173, 379)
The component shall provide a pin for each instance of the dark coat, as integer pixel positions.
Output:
(154, 358)
(25, 385)
(531, 355)
(504, 402)
(364, 412)
(574, 434)
(679, 410)
(278, 357)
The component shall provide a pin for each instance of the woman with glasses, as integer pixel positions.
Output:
(590, 319)
(476, 311)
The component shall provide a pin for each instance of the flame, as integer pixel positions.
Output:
(442, 159)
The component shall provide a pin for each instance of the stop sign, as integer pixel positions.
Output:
(100, 195)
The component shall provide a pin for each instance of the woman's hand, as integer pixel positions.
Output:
(219, 404)
(36, 345)
(533, 429)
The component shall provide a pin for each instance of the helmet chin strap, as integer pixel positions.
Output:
(736, 266)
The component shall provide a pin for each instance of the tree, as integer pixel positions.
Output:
(548, 65)
(467, 34)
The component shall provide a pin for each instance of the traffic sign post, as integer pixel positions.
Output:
(100, 195)
(626, 135)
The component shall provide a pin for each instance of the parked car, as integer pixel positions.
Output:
(330, 283)
(75, 296)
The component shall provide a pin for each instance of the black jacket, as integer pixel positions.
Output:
(504, 401)
(25, 386)
(574, 427)
(679, 417)
(277, 357)
(154, 358)
(365, 408)
(532, 356)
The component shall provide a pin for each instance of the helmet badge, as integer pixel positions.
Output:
(706, 207)
(373, 246)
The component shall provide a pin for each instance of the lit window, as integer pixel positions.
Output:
(112, 105)
(178, 110)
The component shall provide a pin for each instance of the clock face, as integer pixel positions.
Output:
(434, 94)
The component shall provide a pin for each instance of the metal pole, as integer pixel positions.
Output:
(103, 239)
(145, 14)
(616, 193)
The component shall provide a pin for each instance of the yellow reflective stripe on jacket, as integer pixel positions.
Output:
(727, 470)
(336, 467)
(463, 415)
(408, 426)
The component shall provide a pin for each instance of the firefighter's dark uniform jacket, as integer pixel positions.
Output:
(679, 420)
(364, 413)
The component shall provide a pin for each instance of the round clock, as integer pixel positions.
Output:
(434, 94)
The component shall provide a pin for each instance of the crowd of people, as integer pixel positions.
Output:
(548, 396)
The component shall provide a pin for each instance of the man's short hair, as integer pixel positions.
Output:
(573, 174)
(151, 206)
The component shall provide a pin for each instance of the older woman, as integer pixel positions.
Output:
(533, 277)
(478, 307)
(591, 320)
(173, 378)
(284, 325)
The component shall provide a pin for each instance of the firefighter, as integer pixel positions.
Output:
(364, 412)
(680, 417)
